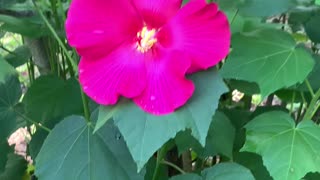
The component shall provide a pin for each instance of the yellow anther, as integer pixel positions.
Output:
(146, 39)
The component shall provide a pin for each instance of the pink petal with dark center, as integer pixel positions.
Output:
(122, 72)
(167, 88)
(96, 27)
(199, 30)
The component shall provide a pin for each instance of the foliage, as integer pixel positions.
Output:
(268, 130)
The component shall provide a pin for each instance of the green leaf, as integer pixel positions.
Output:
(151, 166)
(312, 28)
(4, 151)
(220, 136)
(227, 171)
(62, 98)
(24, 26)
(36, 142)
(7, 3)
(268, 57)
(187, 177)
(15, 168)
(227, 4)
(238, 118)
(317, 2)
(248, 88)
(313, 77)
(283, 145)
(73, 152)
(265, 8)
(106, 113)
(222, 171)
(10, 93)
(253, 162)
(145, 133)
(19, 56)
(5, 70)
(312, 176)
(221, 130)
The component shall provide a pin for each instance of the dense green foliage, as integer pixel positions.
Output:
(268, 131)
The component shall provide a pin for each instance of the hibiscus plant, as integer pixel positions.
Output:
(159, 89)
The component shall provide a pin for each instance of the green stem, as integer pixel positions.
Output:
(309, 87)
(160, 155)
(55, 35)
(55, 12)
(85, 107)
(313, 106)
(33, 122)
(8, 51)
(292, 102)
(174, 166)
(234, 16)
(62, 11)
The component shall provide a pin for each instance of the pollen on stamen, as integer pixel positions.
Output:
(146, 39)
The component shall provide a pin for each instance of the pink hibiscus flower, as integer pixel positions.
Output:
(143, 49)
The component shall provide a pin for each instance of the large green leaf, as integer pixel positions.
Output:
(187, 177)
(73, 152)
(51, 98)
(288, 151)
(265, 8)
(4, 151)
(253, 162)
(145, 133)
(221, 130)
(268, 57)
(10, 93)
(313, 77)
(222, 171)
(220, 136)
(312, 28)
(15, 168)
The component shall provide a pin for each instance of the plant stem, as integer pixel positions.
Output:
(33, 122)
(186, 161)
(160, 155)
(309, 87)
(292, 102)
(55, 35)
(313, 106)
(174, 166)
(85, 107)
(234, 16)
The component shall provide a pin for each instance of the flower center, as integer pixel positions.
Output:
(146, 39)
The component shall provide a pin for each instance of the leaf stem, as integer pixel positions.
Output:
(313, 106)
(292, 102)
(160, 155)
(173, 165)
(85, 106)
(309, 87)
(234, 16)
(33, 122)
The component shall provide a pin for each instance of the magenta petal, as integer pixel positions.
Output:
(122, 72)
(200, 30)
(96, 27)
(167, 88)
(156, 13)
